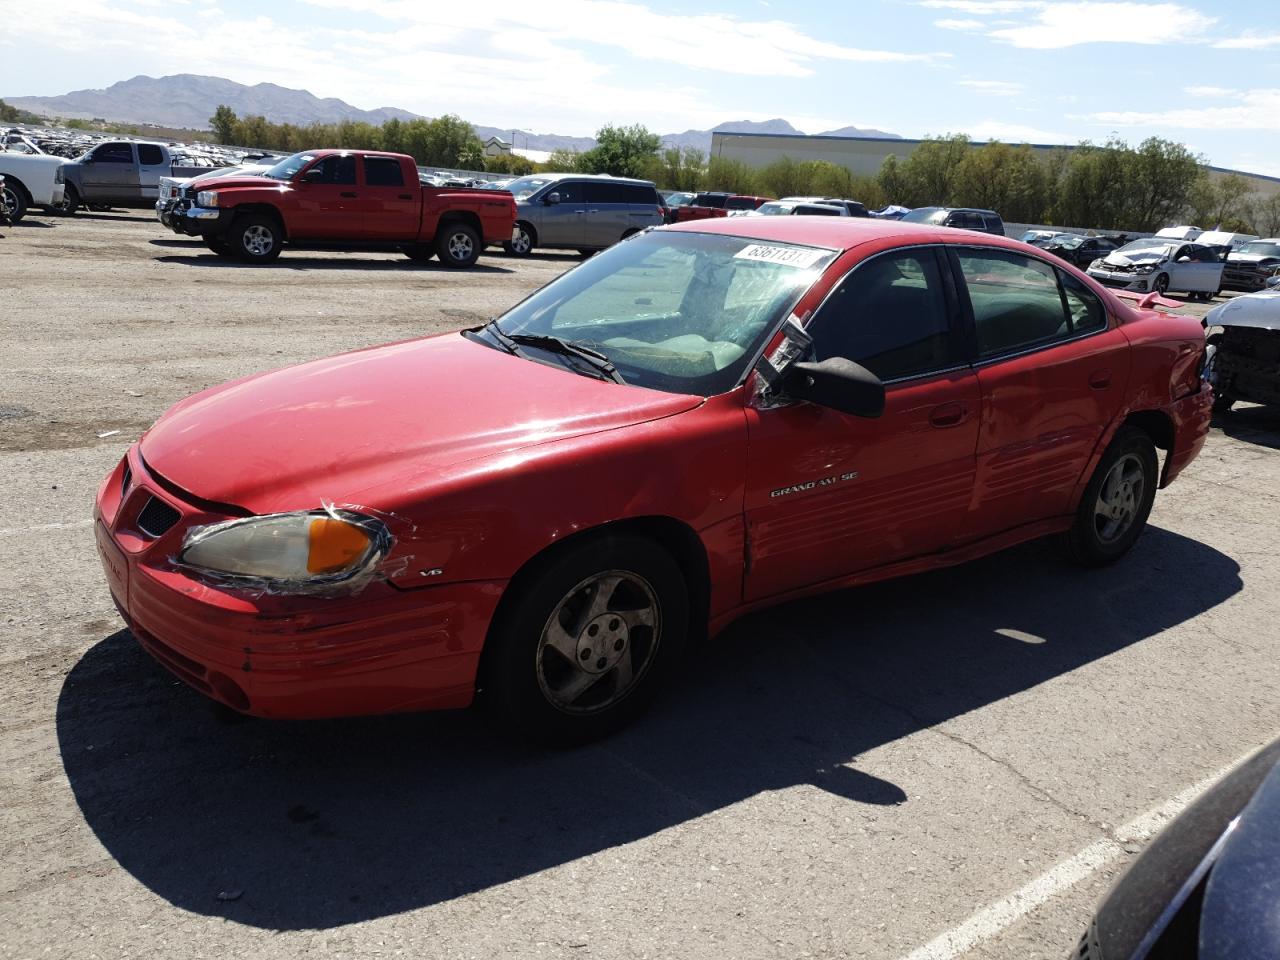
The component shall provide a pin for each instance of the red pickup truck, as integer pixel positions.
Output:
(344, 200)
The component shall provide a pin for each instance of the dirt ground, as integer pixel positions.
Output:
(851, 776)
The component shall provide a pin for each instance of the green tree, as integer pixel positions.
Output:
(928, 176)
(393, 136)
(1160, 176)
(1266, 215)
(1009, 180)
(223, 123)
(733, 176)
(621, 151)
(562, 160)
(1093, 189)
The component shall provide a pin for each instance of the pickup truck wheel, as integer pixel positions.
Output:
(15, 202)
(458, 245)
(586, 643)
(255, 238)
(1117, 501)
(521, 243)
(419, 253)
(70, 202)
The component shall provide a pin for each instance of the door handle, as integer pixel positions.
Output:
(947, 415)
(406, 196)
(1100, 379)
(593, 211)
(346, 194)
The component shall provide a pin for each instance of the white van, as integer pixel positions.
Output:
(1223, 241)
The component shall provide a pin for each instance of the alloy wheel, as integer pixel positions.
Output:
(258, 240)
(598, 642)
(1119, 498)
(460, 246)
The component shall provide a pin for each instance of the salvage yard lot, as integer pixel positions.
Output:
(850, 776)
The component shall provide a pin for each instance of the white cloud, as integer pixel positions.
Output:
(1250, 41)
(965, 26)
(982, 7)
(1208, 92)
(1060, 25)
(995, 88)
(1250, 110)
(1014, 133)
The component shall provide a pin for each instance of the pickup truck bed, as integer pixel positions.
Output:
(344, 200)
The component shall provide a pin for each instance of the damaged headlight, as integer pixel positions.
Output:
(1145, 268)
(288, 552)
(207, 198)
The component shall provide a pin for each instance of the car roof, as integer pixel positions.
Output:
(838, 233)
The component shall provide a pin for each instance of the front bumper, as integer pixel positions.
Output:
(194, 221)
(382, 650)
(1140, 282)
(1247, 280)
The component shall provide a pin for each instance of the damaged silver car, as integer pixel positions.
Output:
(1243, 357)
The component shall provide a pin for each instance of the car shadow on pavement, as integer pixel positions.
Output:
(1258, 425)
(288, 262)
(308, 825)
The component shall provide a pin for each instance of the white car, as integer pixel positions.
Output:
(1161, 265)
(786, 208)
(30, 180)
(1179, 233)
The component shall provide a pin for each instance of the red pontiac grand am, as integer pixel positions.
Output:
(701, 420)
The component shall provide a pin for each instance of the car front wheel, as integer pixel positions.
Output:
(70, 201)
(15, 203)
(1117, 501)
(255, 238)
(1161, 286)
(587, 642)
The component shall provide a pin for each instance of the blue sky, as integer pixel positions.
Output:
(1206, 74)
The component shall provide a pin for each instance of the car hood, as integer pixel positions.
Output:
(242, 180)
(1250, 257)
(1129, 259)
(1261, 310)
(327, 430)
(14, 161)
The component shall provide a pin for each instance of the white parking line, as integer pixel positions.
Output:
(14, 531)
(989, 921)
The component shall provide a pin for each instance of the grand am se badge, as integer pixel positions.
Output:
(813, 484)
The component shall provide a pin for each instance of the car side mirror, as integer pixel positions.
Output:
(551, 199)
(312, 176)
(1184, 259)
(836, 383)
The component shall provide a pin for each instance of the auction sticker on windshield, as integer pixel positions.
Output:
(802, 257)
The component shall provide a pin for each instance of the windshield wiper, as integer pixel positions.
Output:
(500, 338)
(568, 348)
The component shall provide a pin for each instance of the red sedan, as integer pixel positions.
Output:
(701, 420)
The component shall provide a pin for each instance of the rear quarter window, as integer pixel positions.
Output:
(149, 155)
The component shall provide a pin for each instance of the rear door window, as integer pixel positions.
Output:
(890, 315)
(382, 172)
(149, 155)
(1018, 302)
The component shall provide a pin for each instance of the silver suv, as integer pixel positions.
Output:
(579, 211)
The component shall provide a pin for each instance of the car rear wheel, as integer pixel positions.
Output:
(458, 245)
(521, 242)
(587, 642)
(1161, 286)
(419, 253)
(255, 238)
(15, 202)
(1117, 501)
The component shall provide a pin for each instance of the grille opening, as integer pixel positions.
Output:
(157, 517)
(126, 480)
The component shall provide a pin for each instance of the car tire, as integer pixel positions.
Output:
(219, 246)
(419, 252)
(1117, 501)
(255, 238)
(70, 202)
(586, 254)
(458, 245)
(524, 242)
(1161, 284)
(15, 202)
(586, 642)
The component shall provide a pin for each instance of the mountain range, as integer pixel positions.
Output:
(187, 101)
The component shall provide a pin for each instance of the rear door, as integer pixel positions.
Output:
(1052, 367)
(326, 200)
(830, 494)
(390, 208)
(110, 173)
(152, 165)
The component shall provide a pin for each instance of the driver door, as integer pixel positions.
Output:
(327, 200)
(829, 494)
(561, 223)
(112, 174)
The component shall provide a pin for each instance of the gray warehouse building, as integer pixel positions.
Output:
(864, 155)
